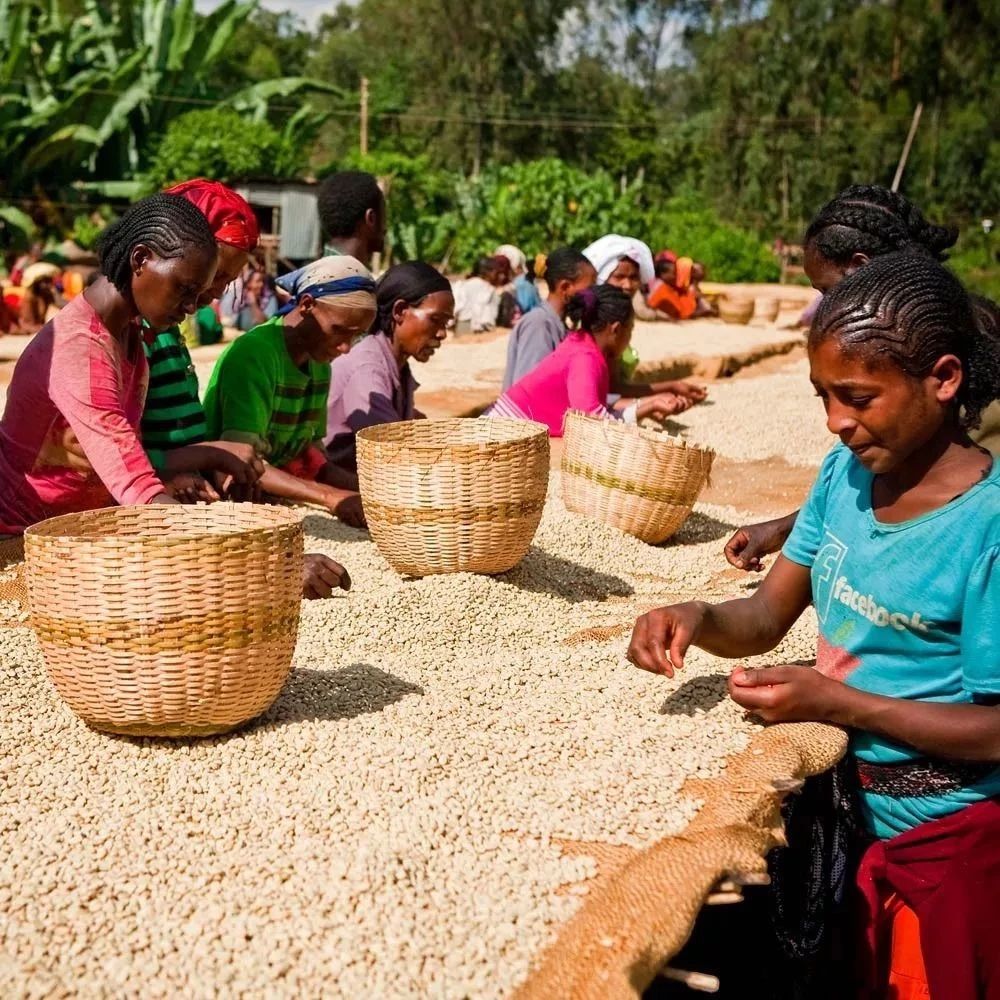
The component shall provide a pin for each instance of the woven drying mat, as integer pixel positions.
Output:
(634, 921)
(12, 585)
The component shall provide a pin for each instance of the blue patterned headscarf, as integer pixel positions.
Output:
(335, 277)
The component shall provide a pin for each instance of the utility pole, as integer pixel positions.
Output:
(364, 116)
(906, 146)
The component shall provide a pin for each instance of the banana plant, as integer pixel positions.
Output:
(89, 95)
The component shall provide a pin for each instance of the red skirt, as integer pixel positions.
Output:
(946, 873)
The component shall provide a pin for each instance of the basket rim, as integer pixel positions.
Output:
(634, 431)
(511, 432)
(49, 529)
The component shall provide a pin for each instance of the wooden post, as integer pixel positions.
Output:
(918, 111)
(364, 116)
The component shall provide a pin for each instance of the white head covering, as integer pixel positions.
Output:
(606, 252)
(35, 272)
(518, 262)
(336, 277)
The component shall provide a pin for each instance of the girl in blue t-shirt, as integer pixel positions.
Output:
(898, 548)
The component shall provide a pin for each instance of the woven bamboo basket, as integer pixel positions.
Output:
(167, 620)
(766, 309)
(638, 480)
(453, 496)
(737, 311)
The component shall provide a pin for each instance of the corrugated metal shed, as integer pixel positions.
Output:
(294, 216)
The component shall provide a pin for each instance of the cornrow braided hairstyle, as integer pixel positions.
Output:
(595, 308)
(907, 309)
(166, 223)
(873, 220)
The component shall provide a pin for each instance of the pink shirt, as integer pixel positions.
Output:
(575, 376)
(73, 373)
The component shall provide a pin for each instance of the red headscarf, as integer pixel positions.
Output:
(231, 218)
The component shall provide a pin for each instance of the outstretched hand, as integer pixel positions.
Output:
(321, 576)
(661, 637)
(350, 511)
(749, 545)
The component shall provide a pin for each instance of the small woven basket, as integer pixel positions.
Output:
(453, 496)
(640, 481)
(737, 311)
(167, 620)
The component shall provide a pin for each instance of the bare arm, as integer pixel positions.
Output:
(289, 487)
(344, 504)
(333, 475)
(802, 694)
(743, 627)
(639, 390)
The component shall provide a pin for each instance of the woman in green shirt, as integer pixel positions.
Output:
(269, 388)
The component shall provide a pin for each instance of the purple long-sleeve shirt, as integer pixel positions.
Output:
(367, 387)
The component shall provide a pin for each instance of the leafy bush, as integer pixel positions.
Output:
(688, 226)
(541, 204)
(17, 228)
(89, 225)
(976, 261)
(222, 144)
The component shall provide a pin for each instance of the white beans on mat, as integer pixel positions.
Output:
(392, 827)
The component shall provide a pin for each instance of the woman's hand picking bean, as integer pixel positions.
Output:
(189, 487)
(787, 693)
(321, 576)
(661, 637)
(350, 511)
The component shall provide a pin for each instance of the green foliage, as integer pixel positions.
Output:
(224, 145)
(689, 226)
(977, 261)
(88, 226)
(17, 230)
(88, 94)
(542, 204)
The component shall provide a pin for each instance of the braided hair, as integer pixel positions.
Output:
(909, 310)
(412, 282)
(873, 220)
(166, 223)
(595, 308)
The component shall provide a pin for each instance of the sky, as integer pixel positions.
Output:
(309, 11)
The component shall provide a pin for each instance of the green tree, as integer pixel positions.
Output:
(218, 143)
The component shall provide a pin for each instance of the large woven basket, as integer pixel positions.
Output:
(736, 311)
(453, 496)
(641, 481)
(167, 620)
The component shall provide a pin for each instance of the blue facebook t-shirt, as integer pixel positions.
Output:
(908, 610)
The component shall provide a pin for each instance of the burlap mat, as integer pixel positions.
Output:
(635, 920)
(12, 583)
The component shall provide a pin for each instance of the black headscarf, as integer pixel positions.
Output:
(412, 282)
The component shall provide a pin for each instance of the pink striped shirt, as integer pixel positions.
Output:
(74, 373)
(575, 376)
